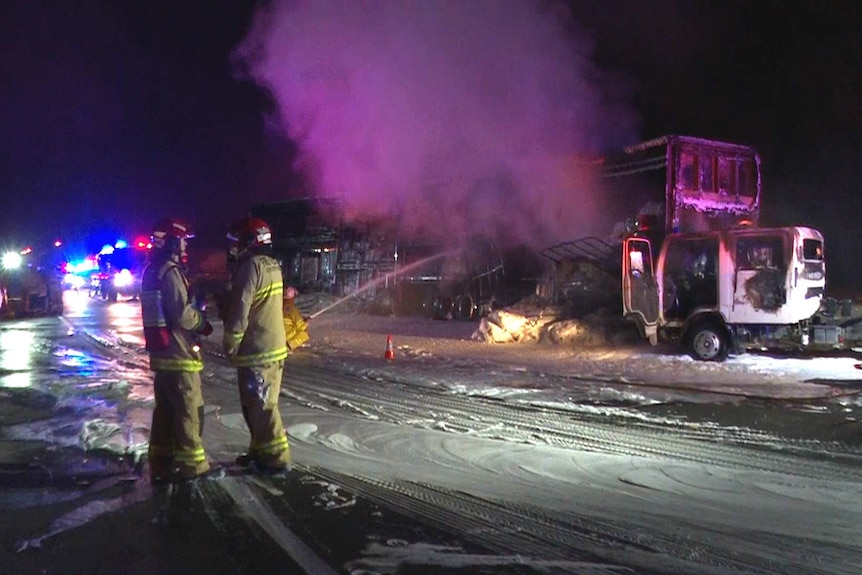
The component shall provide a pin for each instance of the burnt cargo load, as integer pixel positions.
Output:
(384, 270)
(687, 184)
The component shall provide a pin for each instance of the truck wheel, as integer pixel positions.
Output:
(708, 343)
(443, 308)
(465, 307)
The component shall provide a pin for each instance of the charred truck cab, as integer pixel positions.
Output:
(702, 271)
(727, 290)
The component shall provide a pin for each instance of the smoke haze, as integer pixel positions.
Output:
(456, 117)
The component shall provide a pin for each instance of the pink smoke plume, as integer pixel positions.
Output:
(455, 117)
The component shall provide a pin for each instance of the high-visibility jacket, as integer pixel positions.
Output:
(170, 319)
(295, 327)
(253, 329)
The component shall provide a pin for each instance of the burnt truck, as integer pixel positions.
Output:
(728, 290)
(702, 272)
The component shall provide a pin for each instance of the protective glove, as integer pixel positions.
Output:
(206, 329)
(229, 344)
(201, 301)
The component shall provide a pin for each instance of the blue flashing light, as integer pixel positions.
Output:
(121, 244)
(81, 266)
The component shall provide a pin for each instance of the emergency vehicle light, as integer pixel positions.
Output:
(81, 266)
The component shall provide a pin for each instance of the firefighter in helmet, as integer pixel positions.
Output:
(295, 326)
(172, 325)
(254, 342)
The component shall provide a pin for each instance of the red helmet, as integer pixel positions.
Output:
(168, 231)
(250, 233)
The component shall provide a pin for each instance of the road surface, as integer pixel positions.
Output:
(456, 457)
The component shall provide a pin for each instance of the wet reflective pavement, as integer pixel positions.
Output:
(75, 408)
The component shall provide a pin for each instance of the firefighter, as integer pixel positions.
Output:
(295, 326)
(172, 325)
(254, 343)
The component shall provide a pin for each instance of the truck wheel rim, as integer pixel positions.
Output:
(707, 344)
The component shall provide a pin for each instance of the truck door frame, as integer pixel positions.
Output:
(640, 287)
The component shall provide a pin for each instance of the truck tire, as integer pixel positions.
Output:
(443, 308)
(465, 307)
(708, 342)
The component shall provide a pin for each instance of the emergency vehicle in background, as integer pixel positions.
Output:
(702, 272)
(28, 287)
(119, 270)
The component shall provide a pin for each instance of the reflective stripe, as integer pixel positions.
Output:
(275, 288)
(173, 364)
(234, 336)
(190, 455)
(259, 358)
(275, 446)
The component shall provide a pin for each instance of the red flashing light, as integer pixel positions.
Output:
(57, 243)
(143, 244)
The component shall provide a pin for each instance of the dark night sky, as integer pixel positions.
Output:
(115, 113)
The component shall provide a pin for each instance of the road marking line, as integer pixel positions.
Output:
(245, 498)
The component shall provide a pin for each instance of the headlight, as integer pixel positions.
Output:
(12, 260)
(74, 280)
(123, 279)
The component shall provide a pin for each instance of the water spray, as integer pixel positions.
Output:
(374, 282)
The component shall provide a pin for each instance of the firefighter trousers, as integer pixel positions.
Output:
(259, 388)
(175, 436)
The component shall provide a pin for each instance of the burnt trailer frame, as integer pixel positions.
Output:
(319, 252)
(382, 268)
(305, 235)
(703, 185)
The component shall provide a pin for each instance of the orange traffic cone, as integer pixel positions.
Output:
(390, 352)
